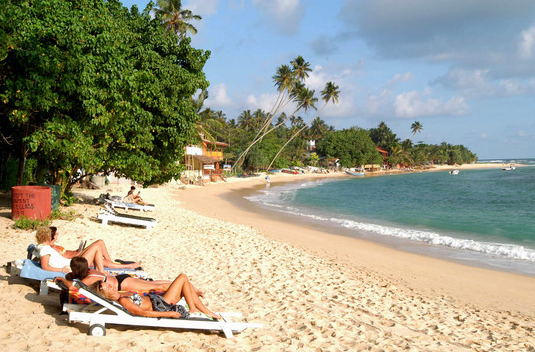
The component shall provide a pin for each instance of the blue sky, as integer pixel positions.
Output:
(464, 69)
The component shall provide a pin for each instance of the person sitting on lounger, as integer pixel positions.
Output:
(164, 305)
(52, 258)
(122, 282)
(135, 198)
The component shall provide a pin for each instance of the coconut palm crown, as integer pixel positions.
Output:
(175, 18)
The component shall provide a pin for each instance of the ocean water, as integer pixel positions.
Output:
(480, 217)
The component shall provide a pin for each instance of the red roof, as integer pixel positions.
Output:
(382, 151)
(219, 144)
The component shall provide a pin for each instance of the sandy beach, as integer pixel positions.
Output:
(313, 290)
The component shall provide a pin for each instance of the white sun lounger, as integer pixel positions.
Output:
(111, 312)
(109, 214)
(128, 206)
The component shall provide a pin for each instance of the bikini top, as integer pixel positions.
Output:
(104, 277)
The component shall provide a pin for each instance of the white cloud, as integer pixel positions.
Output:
(218, 96)
(526, 47)
(511, 87)
(379, 104)
(415, 104)
(263, 101)
(478, 83)
(399, 78)
(285, 15)
(202, 7)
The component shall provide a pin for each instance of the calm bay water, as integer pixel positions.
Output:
(483, 217)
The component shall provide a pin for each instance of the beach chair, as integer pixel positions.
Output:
(30, 268)
(110, 312)
(107, 214)
(119, 202)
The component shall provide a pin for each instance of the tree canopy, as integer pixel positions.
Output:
(352, 146)
(89, 84)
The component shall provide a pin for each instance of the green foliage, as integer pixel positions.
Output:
(68, 215)
(26, 223)
(9, 174)
(352, 146)
(89, 84)
(383, 136)
(29, 170)
(67, 199)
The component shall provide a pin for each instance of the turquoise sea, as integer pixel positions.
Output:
(482, 217)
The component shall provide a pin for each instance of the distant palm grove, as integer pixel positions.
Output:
(96, 86)
(352, 146)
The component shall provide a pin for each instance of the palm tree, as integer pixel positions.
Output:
(245, 120)
(209, 122)
(416, 127)
(175, 18)
(301, 68)
(287, 85)
(328, 94)
(317, 128)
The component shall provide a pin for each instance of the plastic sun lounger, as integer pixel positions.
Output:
(128, 206)
(31, 269)
(109, 214)
(98, 317)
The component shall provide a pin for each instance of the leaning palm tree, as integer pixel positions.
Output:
(208, 122)
(328, 94)
(288, 82)
(416, 127)
(301, 68)
(175, 18)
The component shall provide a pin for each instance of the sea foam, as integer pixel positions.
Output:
(281, 200)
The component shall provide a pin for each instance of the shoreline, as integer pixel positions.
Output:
(469, 284)
(315, 294)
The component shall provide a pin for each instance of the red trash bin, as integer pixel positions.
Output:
(31, 201)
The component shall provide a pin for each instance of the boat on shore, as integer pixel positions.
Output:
(289, 171)
(352, 173)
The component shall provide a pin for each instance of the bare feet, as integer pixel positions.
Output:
(209, 313)
(134, 265)
(197, 291)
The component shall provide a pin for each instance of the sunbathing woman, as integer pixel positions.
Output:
(135, 198)
(164, 305)
(122, 282)
(53, 260)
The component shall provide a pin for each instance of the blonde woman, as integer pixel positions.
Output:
(164, 305)
(55, 258)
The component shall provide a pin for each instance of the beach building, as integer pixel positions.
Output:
(311, 146)
(203, 162)
(385, 155)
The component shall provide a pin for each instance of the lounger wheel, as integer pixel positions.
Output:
(97, 330)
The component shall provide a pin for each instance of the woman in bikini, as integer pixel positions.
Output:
(164, 305)
(135, 198)
(56, 258)
(122, 282)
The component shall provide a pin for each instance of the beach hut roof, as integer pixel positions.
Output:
(205, 159)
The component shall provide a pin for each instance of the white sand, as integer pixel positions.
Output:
(311, 290)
